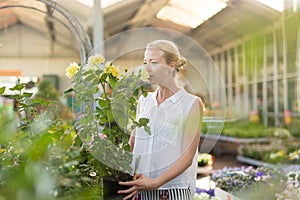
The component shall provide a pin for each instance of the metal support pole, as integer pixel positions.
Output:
(98, 25)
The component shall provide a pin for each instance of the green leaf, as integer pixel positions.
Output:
(24, 105)
(147, 129)
(15, 96)
(27, 94)
(89, 78)
(145, 93)
(2, 90)
(17, 87)
(68, 91)
(112, 81)
(102, 103)
(103, 77)
(143, 121)
(38, 101)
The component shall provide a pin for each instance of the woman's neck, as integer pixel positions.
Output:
(165, 92)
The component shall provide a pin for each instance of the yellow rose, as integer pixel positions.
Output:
(111, 69)
(96, 60)
(72, 70)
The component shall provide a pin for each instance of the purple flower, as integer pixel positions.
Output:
(258, 174)
(210, 192)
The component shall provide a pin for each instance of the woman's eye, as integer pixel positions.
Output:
(151, 63)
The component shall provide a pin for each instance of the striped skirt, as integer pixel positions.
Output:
(167, 194)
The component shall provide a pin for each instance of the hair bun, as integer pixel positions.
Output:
(181, 63)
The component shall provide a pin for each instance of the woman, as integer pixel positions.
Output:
(165, 160)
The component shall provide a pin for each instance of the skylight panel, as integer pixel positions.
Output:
(191, 13)
(276, 5)
(104, 3)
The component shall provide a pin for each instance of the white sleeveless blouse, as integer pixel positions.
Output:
(158, 151)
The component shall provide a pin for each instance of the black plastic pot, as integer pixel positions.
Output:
(111, 187)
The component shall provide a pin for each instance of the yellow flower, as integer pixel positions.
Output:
(96, 60)
(72, 70)
(278, 154)
(294, 155)
(144, 75)
(111, 69)
(254, 117)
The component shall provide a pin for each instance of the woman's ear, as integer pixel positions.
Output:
(173, 65)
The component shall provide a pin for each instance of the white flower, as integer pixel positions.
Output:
(90, 67)
(72, 69)
(201, 196)
(96, 60)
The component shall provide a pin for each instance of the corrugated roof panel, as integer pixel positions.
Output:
(191, 12)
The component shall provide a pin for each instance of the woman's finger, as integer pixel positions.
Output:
(131, 195)
(127, 183)
(127, 191)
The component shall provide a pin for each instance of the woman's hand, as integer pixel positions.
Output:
(142, 182)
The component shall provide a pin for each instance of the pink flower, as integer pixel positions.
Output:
(102, 136)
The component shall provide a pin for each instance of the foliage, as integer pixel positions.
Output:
(294, 127)
(107, 101)
(246, 129)
(205, 159)
(279, 151)
(43, 157)
(47, 90)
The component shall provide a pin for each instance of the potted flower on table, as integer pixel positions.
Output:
(106, 101)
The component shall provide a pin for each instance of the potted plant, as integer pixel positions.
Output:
(107, 101)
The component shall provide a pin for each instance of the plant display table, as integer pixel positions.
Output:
(227, 144)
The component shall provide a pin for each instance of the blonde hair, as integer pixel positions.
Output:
(171, 52)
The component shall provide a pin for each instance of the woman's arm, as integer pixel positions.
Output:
(190, 143)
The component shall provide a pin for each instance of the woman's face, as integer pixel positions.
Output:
(156, 65)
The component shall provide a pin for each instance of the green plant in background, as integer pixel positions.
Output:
(279, 151)
(294, 127)
(43, 157)
(47, 90)
(205, 159)
(246, 129)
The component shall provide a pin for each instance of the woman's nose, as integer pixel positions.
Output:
(147, 67)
